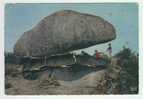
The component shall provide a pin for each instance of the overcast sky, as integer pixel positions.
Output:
(22, 17)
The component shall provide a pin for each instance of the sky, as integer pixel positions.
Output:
(124, 17)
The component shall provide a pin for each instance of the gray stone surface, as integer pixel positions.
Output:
(64, 31)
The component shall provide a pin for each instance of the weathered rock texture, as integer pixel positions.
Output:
(62, 32)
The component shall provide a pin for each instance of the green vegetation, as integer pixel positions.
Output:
(10, 58)
(128, 81)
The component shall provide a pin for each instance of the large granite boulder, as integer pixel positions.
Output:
(62, 32)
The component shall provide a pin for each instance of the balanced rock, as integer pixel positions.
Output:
(62, 32)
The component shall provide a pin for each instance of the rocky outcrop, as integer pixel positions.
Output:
(64, 31)
(103, 81)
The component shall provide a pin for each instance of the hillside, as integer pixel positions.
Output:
(118, 77)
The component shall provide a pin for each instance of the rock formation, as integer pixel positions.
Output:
(64, 31)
